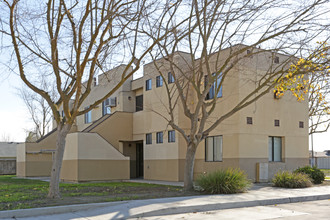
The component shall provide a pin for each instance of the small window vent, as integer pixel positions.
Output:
(277, 123)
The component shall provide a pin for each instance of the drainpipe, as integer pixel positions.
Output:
(312, 143)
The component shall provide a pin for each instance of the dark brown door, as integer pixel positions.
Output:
(139, 160)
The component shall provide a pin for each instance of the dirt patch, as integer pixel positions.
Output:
(157, 192)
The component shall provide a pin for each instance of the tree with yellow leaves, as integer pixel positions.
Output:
(310, 76)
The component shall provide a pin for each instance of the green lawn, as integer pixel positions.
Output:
(16, 193)
(326, 172)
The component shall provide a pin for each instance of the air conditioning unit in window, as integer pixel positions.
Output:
(107, 102)
(113, 102)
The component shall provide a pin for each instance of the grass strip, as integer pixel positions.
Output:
(18, 193)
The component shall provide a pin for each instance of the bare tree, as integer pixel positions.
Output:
(319, 89)
(70, 42)
(39, 110)
(5, 137)
(218, 37)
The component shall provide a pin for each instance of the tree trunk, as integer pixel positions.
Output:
(54, 188)
(189, 167)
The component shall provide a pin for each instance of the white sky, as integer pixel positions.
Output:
(14, 117)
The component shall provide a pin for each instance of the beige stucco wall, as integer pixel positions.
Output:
(20, 159)
(161, 160)
(31, 161)
(246, 145)
(129, 150)
(118, 127)
(243, 145)
(89, 157)
(106, 82)
(35, 159)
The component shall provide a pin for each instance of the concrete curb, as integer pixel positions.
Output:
(20, 213)
(233, 205)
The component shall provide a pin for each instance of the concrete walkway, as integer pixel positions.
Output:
(258, 195)
(159, 182)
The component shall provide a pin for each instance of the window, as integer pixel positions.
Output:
(213, 148)
(301, 124)
(159, 137)
(171, 136)
(88, 116)
(139, 103)
(170, 78)
(275, 149)
(148, 84)
(159, 81)
(277, 123)
(149, 138)
(106, 108)
(214, 88)
(276, 60)
(249, 120)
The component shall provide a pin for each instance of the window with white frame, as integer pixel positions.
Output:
(213, 148)
(275, 149)
(88, 116)
(159, 137)
(171, 136)
(215, 87)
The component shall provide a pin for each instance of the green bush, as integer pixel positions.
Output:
(224, 181)
(314, 173)
(287, 179)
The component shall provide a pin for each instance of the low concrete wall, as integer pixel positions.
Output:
(7, 166)
(89, 157)
(33, 160)
(8, 158)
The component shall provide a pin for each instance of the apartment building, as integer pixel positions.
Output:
(127, 136)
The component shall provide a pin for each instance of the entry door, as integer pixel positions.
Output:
(139, 160)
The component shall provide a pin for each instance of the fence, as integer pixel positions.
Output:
(320, 162)
(7, 166)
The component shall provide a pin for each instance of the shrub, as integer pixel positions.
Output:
(314, 173)
(287, 179)
(224, 181)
